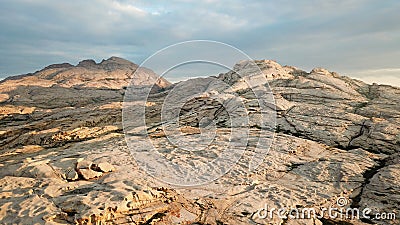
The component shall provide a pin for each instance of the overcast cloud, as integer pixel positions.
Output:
(358, 38)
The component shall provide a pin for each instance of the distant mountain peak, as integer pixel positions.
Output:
(110, 63)
(112, 73)
(59, 65)
(117, 60)
(87, 63)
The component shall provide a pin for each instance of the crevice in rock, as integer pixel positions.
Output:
(372, 92)
(360, 106)
(367, 175)
(294, 166)
(364, 128)
(296, 133)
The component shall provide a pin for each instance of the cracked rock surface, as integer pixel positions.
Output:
(64, 157)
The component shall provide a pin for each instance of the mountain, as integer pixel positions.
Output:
(67, 85)
(65, 157)
(113, 73)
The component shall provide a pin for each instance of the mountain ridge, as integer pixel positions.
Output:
(115, 61)
(65, 158)
(113, 72)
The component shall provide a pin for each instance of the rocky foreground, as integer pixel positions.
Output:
(64, 158)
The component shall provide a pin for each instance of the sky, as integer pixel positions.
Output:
(356, 38)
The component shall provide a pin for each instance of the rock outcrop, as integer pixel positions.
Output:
(64, 159)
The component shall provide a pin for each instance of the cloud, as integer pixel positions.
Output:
(128, 8)
(389, 76)
(351, 35)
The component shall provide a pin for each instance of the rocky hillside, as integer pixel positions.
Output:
(63, 85)
(64, 158)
